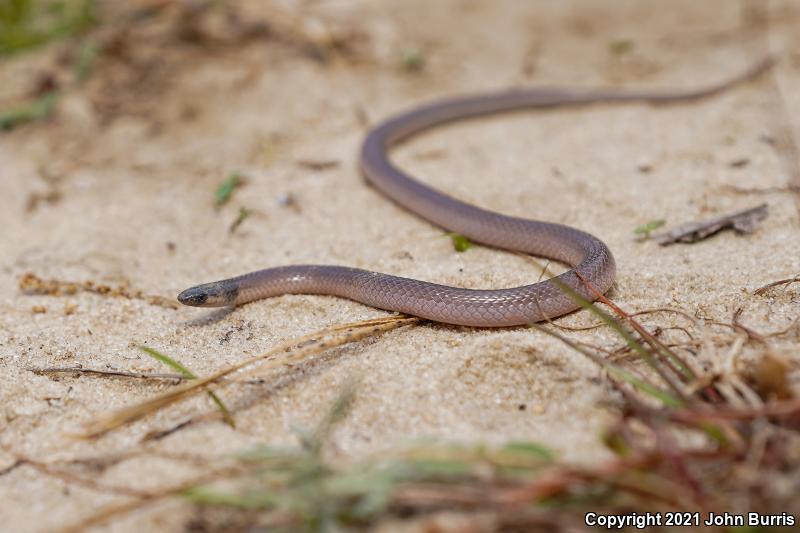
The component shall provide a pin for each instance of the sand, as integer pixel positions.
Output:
(134, 206)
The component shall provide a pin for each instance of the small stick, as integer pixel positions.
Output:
(110, 373)
(743, 222)
(761, 290)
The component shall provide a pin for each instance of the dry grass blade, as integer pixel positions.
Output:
(761, 290)
(111, 511)
(617, 371)
(90, 483)
(109, 373)
(291, 351)
(637, 313)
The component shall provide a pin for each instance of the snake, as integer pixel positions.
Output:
(592, 264)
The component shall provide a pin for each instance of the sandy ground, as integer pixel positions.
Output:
(135, 206)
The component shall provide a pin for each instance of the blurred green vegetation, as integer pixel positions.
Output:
(39, 109)
(26, 24)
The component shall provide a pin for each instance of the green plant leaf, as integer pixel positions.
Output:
(460, 242)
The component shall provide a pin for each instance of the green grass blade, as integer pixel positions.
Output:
(224, 192)
(646, 229)
(531, 448)
(169, 361)
(178, 367)
(39, 109)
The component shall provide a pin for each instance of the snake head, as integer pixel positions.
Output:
(217, 294)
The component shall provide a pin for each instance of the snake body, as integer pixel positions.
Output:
(593, 267)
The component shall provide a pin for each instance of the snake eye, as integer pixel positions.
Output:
(194, 296)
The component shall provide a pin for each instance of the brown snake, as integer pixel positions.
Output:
(593, 267)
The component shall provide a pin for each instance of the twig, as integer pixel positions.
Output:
(125, 374)
(77, 480)
(110, 373)
(637, 313)
(743, 222)
(761, 290)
